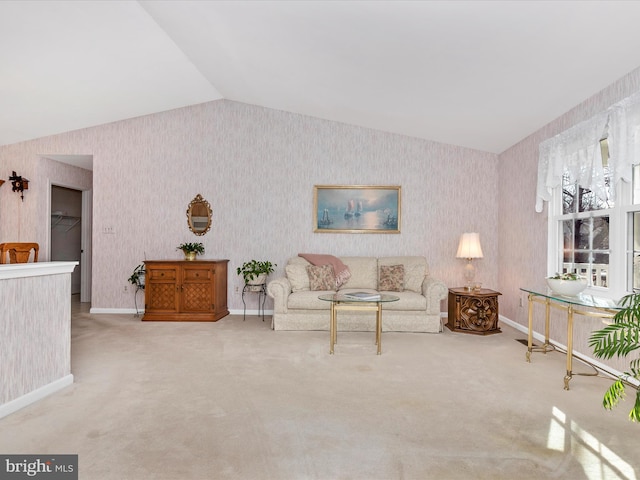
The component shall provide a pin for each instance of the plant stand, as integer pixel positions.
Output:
(261, 290)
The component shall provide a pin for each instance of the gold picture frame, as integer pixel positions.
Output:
(356, 209)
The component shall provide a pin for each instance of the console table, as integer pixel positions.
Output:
(581, 304)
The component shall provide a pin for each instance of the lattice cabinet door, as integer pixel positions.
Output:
(186, 291)
(473, 311)
(162, 290)
(197, 288)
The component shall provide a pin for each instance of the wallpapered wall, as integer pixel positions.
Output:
(523, 232)
(257, 168)
(30, 219)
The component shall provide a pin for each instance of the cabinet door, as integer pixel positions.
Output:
(161, 289)
(197, 288)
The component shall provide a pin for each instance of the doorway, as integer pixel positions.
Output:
(66, 230)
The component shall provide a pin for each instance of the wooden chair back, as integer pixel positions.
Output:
(19, 252)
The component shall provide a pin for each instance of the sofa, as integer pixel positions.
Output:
(296, 305)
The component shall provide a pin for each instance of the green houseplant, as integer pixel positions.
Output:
(619, 339)
(137, 277)
(252, 270)
(190, 250)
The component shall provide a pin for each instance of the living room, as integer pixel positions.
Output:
(257, 167)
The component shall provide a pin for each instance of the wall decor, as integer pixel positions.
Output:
(199, 215)
(356, 209)
(19, 184)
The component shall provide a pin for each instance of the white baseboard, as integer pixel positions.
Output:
(267, 313)
(117, 311)
(36, 395)
(124, 311)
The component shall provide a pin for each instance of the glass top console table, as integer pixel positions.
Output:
(581, 304)
(343, 302)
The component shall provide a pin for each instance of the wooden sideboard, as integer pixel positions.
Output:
(185, 291)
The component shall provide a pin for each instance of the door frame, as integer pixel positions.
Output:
(86, 222)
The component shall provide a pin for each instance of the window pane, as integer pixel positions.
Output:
(586, 248)
(636, 249)
(601, 233)
(600, 270)
(567, 234)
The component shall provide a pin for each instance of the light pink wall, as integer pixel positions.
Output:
(523, 232)
(29, 220)
(257, 168)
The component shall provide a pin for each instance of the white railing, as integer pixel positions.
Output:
(597, 273)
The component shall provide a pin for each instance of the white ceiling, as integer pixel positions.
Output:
(479, 74)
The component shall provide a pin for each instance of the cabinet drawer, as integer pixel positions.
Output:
(197, 274)
(161, 274)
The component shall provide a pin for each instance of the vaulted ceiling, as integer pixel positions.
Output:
(479, 74)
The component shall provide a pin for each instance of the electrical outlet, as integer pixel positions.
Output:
(108, 230)
(126, 288)
(237, 289)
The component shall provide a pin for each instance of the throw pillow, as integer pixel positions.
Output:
(298, 277)
(391, 278)
(321, 277)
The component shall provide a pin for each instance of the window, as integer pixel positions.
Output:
(595, 232)
(583, 222)
(589, 176)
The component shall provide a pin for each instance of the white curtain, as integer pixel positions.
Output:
(577, 150)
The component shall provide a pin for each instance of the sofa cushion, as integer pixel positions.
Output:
(391, 278)
(321, 277)
(298, 277)
(364, 272)
(415, 269)
(408, 301)
(308, 301)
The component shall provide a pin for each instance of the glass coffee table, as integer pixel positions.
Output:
(342, 302)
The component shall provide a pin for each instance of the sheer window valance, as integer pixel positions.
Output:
(577, 150)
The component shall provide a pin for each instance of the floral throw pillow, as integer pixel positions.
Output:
(391, 278)
(321, 277)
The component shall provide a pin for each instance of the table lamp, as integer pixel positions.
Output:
(469, 248)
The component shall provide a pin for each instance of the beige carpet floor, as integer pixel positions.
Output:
(235, 400)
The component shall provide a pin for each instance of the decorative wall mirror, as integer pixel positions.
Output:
(199, 215)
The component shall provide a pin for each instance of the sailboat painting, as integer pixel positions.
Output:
(356, 209)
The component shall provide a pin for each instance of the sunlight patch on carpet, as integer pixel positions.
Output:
(598, 461)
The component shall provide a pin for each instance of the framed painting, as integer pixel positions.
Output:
(356, 209)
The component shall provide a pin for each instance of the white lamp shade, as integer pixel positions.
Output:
(469, 246)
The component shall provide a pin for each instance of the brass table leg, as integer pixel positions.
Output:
(547, 309)
(332, 328)
(379, 328)
(569, 374)
(530, 336)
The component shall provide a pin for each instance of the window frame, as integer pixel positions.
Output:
(620, 272)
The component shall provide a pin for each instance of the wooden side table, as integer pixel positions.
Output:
(474, 311)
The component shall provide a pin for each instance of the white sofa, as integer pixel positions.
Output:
(296, 307)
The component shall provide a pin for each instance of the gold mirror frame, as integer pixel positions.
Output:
(199, 215)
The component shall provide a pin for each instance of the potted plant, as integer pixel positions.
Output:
(620, 338)
(567, 283)
(137, 277)
(255, 272)
(190, 250)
